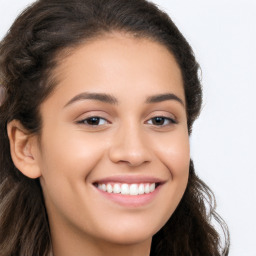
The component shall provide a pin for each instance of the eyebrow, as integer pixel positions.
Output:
(164, 97)
(103, 97)
(110, 99)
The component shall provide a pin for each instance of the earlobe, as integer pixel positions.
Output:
(23, 147)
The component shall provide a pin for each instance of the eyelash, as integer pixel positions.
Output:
(85, 121)
(170, 121)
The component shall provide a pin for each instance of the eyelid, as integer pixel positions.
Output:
(170, 119)
(164, 114)
(82, 121)
(84, 117)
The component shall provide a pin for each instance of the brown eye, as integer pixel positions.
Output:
(161, 121)
(94, 120)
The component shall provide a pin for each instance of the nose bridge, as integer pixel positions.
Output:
(129, 144)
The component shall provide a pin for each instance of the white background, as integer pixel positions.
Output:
(223, 36)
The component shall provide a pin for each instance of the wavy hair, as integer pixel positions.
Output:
(29, 53)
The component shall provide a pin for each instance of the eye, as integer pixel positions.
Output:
(161, 121)
(93, 121)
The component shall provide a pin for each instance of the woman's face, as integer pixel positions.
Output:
(116, 122)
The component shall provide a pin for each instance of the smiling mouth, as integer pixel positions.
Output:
(133, 189)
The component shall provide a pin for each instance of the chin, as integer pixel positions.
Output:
(131, 234)
(129, 238)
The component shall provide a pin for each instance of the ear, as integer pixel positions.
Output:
(24, 150)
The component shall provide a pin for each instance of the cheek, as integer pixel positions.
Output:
(174, 152)
(66, 163)
(72, 155)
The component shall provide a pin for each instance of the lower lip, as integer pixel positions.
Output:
(131, 201)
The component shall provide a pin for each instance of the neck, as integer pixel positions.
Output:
(100, 249)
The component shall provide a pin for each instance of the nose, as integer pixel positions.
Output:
(130, 146)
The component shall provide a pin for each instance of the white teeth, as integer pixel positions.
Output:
(152, 187)
(141, 189)
(104, 187)
(134, 189)
(109, 188)
(147, 189)
(127, 189)
(117, 189)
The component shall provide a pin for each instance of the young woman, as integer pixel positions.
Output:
(99, 101)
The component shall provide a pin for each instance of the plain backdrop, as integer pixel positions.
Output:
(223, 36)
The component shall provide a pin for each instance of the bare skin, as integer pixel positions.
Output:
(131, 136)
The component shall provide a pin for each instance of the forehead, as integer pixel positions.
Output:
(118, 62)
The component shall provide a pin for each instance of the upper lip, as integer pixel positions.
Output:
(129, 179)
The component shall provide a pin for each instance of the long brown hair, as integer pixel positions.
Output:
(28, 55)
